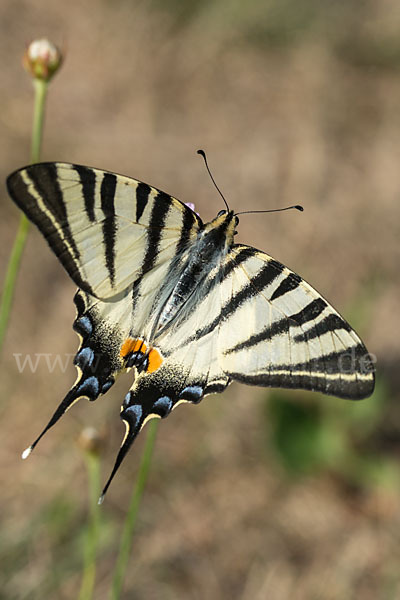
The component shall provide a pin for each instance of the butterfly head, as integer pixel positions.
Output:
(222, 228)
(224, 212)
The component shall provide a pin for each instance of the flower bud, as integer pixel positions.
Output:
(91, 441)
(42, 59)
(192, 207)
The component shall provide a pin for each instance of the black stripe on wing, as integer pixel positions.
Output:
(107, 196)
(234, 260)
(310, 312)
(278, 328)
(186, 232)
(161, 206)
(291, 282)
(88, 181)
(57, 234)
(331, 322)
(259, 282)
(45, 180)
(142, 196)
(346, 374)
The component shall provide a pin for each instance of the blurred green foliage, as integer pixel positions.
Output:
(302, 439)
(350, 28)
(56, 537)
(309, 434)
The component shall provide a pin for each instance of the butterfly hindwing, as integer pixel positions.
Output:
(101, 328)
(189, 370)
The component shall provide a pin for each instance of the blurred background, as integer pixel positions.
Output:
(253, 494)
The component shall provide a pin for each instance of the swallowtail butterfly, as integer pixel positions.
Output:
(178, 300)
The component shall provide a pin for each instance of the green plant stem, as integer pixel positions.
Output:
(130, 522)
(93, 528)
(11, 276)
(40, 87)
(10, 280)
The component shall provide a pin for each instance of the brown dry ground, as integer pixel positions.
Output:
(293, 105)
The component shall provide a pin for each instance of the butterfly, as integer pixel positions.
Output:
(178, 301)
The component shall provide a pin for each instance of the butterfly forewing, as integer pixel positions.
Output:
(297, 339)
(107, 230)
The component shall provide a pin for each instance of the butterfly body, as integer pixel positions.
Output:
(178, 301)
(189, 270)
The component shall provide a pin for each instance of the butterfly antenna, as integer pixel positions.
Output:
(248, 212)
(203, 154)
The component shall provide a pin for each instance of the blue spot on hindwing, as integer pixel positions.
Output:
(127, 400)
(193, 393)
(84, 358)
(132, 414)
(84, 326)
(106, 386)
(163, 406)
(89, 388)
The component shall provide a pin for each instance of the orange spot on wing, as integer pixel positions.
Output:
(155, 360)
(132, 345)
(140, 346)
(126, 347)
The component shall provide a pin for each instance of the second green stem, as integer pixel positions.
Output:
(127, 533)
(10, 280)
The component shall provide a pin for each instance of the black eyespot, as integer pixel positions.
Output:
(221, 212)
(236, 221)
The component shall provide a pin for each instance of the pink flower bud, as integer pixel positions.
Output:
(42, 59)
(192, 207)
